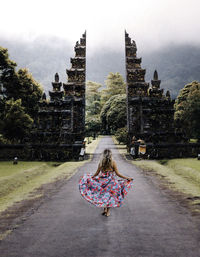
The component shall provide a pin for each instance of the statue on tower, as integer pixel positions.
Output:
(56, 77)
(155, 90)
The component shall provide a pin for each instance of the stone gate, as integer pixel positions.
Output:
(59, 130)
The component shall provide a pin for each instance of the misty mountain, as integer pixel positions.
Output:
(177, 65)
(42, 57)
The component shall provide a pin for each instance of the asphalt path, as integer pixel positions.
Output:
(149, 223)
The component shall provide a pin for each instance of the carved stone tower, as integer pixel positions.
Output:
(59, 130)
(135, 75)
(149, 112)
(137, 89)
(75, 88)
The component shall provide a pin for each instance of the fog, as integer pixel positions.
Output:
(40, 35)
(152, 23)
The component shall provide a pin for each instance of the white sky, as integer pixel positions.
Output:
(151, 23)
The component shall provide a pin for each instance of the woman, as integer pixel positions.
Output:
(103, 189)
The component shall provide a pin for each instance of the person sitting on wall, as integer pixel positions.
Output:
(15, 161)
(142, 148)
(133, 149)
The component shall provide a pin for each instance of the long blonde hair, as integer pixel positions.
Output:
(106, 159)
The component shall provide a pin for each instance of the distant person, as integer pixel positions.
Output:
(103, 189)
(133, 148)
(142, 148)
(15, 161)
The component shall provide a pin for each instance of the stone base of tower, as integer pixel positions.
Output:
(51, 152)
(42, 152)
(168, 150)
(174, 150)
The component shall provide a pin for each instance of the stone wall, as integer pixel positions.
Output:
(38, 152)
(176, 150)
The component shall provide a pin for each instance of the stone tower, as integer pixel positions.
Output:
(149, 112)
(75, 88)
(59, 130)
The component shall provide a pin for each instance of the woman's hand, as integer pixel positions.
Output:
(130, 179)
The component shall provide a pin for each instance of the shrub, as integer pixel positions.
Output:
(122, 135)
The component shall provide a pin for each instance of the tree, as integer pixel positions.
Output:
(122, 135)
(29, 91)
(7, 71)
(100, 103)
(93, 96)
(19, 84)
(16, 123)
(187, 110)
(92, 125)
(115, 85)
(113, 114)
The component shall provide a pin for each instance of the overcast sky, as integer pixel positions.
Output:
(152, 23)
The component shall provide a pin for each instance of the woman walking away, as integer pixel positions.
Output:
(103, 189)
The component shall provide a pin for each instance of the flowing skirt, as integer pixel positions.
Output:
(104, 190)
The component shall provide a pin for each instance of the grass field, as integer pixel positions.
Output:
(18, 181)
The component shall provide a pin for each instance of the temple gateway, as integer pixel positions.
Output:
(59, 130)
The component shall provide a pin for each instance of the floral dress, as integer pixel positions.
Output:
(104, 190)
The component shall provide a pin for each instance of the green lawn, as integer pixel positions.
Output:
(18, 181)
(8, 169)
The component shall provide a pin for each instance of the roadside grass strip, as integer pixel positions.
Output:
(121, 147)
(90, 148)
(182, 175)
(18, 186)
(17, 182)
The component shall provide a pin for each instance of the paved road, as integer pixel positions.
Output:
(148, 223)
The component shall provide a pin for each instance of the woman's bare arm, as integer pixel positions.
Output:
(117, 172)
(97, 172)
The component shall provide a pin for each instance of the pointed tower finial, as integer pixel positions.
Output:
(155, 82)
(84, 34)
(56, 77)
(168, 94)
(155, 75)
(44, 97)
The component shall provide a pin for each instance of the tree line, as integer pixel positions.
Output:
(106, 107)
